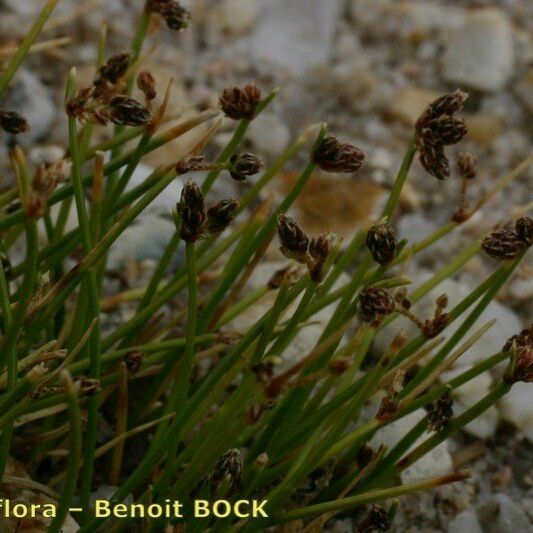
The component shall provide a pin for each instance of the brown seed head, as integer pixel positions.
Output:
(229, 467)
(436, 325)
(239, 104)
(446, 130)
(374, 303)
(191, 209)
(176, 17)
(332, 155)
(244, 165)
(382, 243)
(440, 413)
(434, 160)
(524, 230)
(146, 84)
(377, 519)
(503, 244)
(220, 215)
(466, 165)
(522, 345)
(116, 67)
(436, 128)
(294, 241)
(128, 112)
(448, 104)
(320, 247)
(13, 123)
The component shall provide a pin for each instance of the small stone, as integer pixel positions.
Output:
(503, 515)
(524, 90)
(295, 35)
(269, 134)
(146, 239)
(438, 462)
(515, 407)
(237, 16)
(409, 102)
(463, 522)
(480, 53)
(483, 128)
(46, 154)
(335, 203)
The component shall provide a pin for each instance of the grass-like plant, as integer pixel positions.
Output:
(243, 429)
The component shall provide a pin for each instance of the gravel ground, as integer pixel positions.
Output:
(367, 67)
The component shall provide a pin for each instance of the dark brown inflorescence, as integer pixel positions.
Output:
(239, 104)
(116, 67)
(382, 243)
(319, 249)
(466, 165)
(333, 155)
(440, 413)
(174, 14)
(11, 122)
(229, 466)
(294, 241)
(374, 303)
(522, 346)
(220, 215)
(191, 209)
(436, 128)
(506, 243)
(110, 81)
(128, 112)
(524, 230)
(377, 519)
(146, 84)
(243, 165)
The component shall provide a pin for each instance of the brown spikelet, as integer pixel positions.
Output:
(239, 104)
(333, 155)
(13, 123)
(503, 244)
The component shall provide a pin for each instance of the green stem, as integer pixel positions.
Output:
(25, 45)
(74, 456)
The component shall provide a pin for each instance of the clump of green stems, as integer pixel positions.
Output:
(61, 374)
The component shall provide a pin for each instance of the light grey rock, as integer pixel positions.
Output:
(269, 134)
(515, 407)
(507, 322)
(502, 515)
(438, 462)
(295, 35)
(233, 17)
(465, 522)
(46, 154)
(405, 17)
(29, 97)
(480, 53)
(145, 239)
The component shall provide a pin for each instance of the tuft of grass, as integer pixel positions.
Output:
(245, 427)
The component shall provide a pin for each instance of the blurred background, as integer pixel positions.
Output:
(368, 68)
